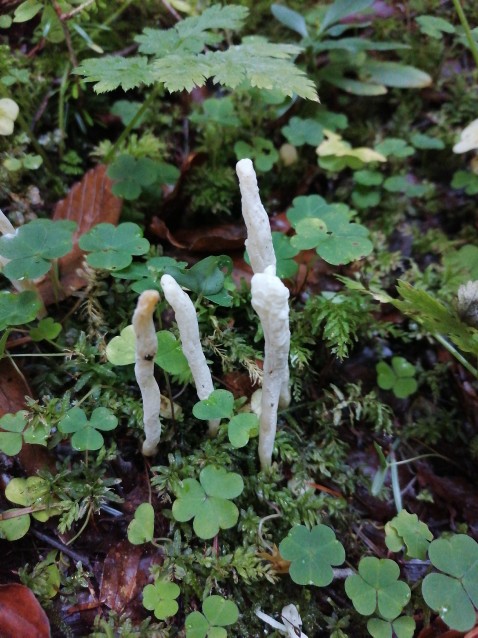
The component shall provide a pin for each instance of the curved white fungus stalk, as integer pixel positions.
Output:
(145, 353)
(186, 319)
(259, 237)
(270, 301)
(292, 626)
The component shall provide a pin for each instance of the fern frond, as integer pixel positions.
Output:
(111, 72)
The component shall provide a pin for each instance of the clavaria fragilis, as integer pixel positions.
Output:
(186, 319)
(270, 301)
(145, 353)
(292, 622)
(259, 237)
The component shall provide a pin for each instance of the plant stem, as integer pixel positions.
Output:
(127, 130)
(452, 350)
(464, 23)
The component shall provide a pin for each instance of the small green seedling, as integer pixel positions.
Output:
(399, 377)
(141, 528)
(47, 329)
(33, 246)
(85, 433)
(376, 588)
(131, 175)
(453, 593)
(312, 554)
(112, 247)
(161, 598)
(208, 501)
(217, 614)
(220, 405)
(121, 351)
(406, 530)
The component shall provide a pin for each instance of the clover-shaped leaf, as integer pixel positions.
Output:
(217, 614)
(11, 429)
(161, 598)
(394, 146)
(130, 175)
(241, 428)
(376, 586)
(16, 309)
(85, 433)
(466, 180)
(453, 596)
(141, 528)
(399, 377)
(312, 553)
(261, 150)
(368, 178)
(30, 492)
(218, 405)
(207, 501)
(335, 238)
(406, 529)
(301, 131)
(113, 247)
(31, 247)
(403, 627)
(47, 328)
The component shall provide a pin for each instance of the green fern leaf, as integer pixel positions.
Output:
(192, 34)
(263, 64)
(179, 72)
(111, 72)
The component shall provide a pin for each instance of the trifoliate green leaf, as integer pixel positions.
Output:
(399, 377)
(261, 150)
(406, 529)
(454, 594)
(312, 554)
(47, 328)
(218, 405)
(11, 429)
(85, 433)
(113, 247)
(33, 246)
(301, 131)
(336, 239)
(376, 586)
(208, 501)
(241, 428)
(161, 598)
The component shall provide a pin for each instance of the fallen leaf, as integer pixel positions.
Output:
(88, 203)
(125, 573)
(13, 390)
(20, 613)
(206, 239)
